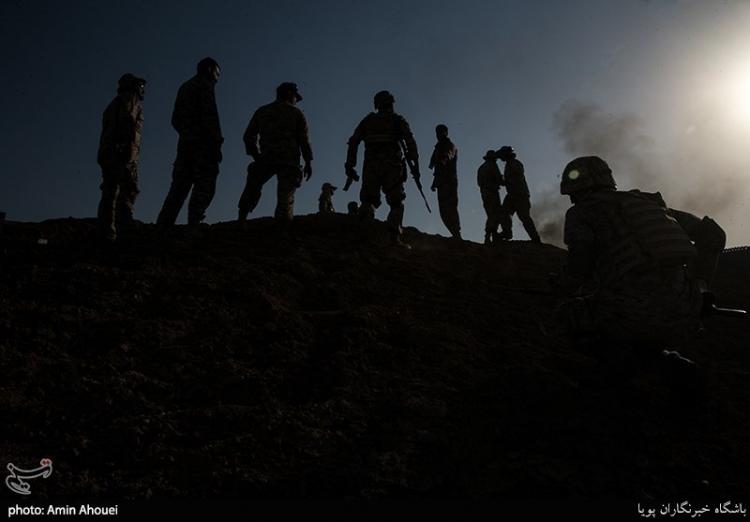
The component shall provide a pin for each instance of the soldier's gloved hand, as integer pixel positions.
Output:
(433, 187)
(351, 172)
(307, 171)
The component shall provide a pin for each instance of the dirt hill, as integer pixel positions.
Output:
(226, 362)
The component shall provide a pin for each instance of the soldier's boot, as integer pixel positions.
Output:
(397, 241)
(488, 238)
(242, 214)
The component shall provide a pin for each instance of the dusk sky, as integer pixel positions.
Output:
(660, 89)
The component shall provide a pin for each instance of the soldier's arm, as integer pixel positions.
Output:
(181, 113)
(433, 158)
(581, 259)
(406, 135)
(210, 117)
(303, 138)
(107, 138)
(250, 138)
(709, 239)
(353, 145)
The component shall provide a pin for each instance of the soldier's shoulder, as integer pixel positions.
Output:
(652, 196)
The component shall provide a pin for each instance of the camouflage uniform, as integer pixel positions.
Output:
(119, 148)
(643, 264)
(283, 136)
(489, 180)
(517, 201)
(384, 168)
(444, 159)
(196, 167)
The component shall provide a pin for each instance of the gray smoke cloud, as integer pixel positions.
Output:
(694, 176)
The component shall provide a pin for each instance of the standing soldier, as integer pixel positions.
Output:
(119, 147)
(443, 161)
(196, 120)
(517, 200)
(489, 180)
(325, 201)
(387, 136)
(283, 132)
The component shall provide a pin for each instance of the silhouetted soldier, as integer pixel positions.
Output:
(489, 180)
(119, 147)
(325, 201)
(283, 133)
(352, 208)
(517, 200)
(644, 269)
(443, 161)
(196, 119)
(385, 134)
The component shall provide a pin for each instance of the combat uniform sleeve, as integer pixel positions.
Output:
(581, 242)
(433, 158)
(406, 135)
(353, 143)
(303, 138)
(250, 138)
(210, 116)
(709, 239)
(182, 113)
(107, 139)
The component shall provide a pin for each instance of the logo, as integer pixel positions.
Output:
(16, 481)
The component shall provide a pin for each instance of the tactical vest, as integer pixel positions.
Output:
(641, 233)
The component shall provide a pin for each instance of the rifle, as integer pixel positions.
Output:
(710, 308)
(414, 168)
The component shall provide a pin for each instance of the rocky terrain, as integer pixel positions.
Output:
(226, 362)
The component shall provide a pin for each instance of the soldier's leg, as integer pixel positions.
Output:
(106, 211)
(504, 214)
(523, 209)
(182, 182)
(257, 176)
(127, 195)
(289, 180)
(204, 187)
(369, 194)
(490, 225)
(393, 187)
(448, 205)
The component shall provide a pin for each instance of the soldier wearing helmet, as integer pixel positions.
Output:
(119, 148)
(325, 201)
(275, 138)
(517, 199)
(196, 120)
(645, 269)
(388, 140)
(444, 160)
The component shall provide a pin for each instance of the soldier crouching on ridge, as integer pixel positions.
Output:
(639, 270)
(119, 148)
(325, 201)
(388, 143)
(281, 129)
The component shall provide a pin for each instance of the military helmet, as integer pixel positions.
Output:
(129, 82)
(328, 186)
(288, 88)
(383, 99)
(505, 153)
(585, 173)
(490, 155)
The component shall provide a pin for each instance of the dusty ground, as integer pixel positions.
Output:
(229, 363)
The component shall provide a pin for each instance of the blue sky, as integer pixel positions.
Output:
(665, 86)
